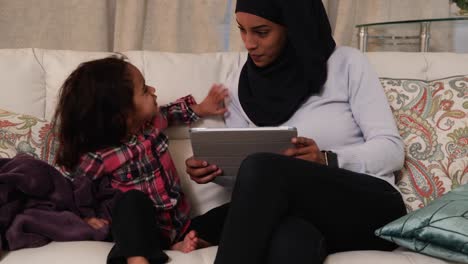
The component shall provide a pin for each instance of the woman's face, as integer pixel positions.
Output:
(263, 39)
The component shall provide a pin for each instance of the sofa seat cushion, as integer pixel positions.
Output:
(92, 252)
(399, 256)
(431, 118)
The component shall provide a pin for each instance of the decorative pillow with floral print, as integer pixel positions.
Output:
(432, 118)
(21, 133)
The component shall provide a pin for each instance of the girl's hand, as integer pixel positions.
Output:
(306, 149)
(213, 104)
(96, 223)
(200, 171)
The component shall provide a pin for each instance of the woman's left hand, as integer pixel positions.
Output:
(306, 149)
(213, 104)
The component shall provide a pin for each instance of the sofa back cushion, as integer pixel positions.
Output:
(432, 119)
(57, 65)
(22, 83)
(424, 66)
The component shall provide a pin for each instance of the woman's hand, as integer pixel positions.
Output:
(306, 149)
(213, 104)
(200, 171)
(96, 223)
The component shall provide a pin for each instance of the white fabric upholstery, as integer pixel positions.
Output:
(398, 64)
(31, 78)
(421, 66)
(22, 81)
(92, 252)
(382, 257)
(57, 66)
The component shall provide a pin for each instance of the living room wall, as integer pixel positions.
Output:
(179, 25)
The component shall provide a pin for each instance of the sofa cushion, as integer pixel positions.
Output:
(22, 79)
(439, 229)
(21, 133)
(93, 252)
(399, 256)
(431, 117)
(58, 65)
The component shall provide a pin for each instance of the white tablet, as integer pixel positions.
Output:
(227, 147)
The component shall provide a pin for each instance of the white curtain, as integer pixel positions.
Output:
(112, 25)
(177, 25)
(57, 24)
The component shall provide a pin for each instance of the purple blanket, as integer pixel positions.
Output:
(38, 205)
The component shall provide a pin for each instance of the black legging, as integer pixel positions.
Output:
(136, 233)
(339, 209)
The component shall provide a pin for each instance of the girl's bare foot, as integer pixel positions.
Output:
(190, 243)
(137, 260)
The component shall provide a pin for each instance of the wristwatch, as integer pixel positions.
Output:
(331, 159)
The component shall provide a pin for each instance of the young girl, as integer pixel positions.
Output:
(110, 130)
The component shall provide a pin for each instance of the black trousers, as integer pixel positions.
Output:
(287, 210)
(136, 232)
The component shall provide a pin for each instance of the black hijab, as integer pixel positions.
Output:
(271, 95)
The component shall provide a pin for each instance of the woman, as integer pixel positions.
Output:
(337, 181)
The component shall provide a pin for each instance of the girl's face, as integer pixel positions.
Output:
(263, 39)
(144, 99)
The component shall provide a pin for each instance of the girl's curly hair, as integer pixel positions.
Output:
(94, 104)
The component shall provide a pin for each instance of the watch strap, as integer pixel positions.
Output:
(331, 159)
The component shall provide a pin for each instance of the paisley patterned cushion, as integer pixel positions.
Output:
(432, 117)
(26, 134)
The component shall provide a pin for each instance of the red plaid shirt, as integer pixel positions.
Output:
(145, 164)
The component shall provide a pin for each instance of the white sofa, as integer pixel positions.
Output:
(30, 79)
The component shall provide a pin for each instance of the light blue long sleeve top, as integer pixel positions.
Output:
(351, 116)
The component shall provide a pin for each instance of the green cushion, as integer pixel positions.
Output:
(439, 229)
